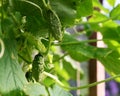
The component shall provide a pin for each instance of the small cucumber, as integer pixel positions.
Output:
(37, 66)
(55, 26)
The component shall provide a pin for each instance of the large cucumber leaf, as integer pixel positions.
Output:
(12, 78)
(111, 63)
(70, 44)
(108, 56)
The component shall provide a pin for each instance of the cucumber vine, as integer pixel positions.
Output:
(38, 56)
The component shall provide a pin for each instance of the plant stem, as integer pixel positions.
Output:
(44, 2)
(32, 3)
(47, 91)
(54, 78)
(93, 84)
(81, 87)
(78, 42)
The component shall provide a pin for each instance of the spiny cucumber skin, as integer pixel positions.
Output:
(55, 25)
(37, 66)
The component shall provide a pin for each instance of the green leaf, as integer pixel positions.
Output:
(12, 77)
(109, 58)
(48, 81)
(82, 47)
(109, 30)
(110, 24)
(112, 63)
(78, 56)
(110, 33)
(61, 71)
(35, 89)
(97, 17)
(85, 8)
(113, 44)
(8, 27)
(118, 30)
(115, 13)
(58, 91)
(75, 54)
(111, 2)
(96, 20)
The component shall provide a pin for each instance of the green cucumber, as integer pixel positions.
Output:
(37, 66)
(55, 26)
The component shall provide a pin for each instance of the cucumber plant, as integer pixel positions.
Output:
(38, 55)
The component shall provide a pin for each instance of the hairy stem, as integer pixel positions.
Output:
(78, 42)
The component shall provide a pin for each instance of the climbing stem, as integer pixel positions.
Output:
(81, 87)
(77, 42)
